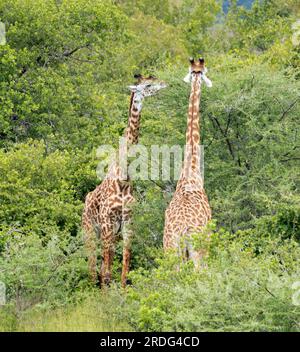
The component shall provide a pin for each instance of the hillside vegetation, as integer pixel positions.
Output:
(64, 72)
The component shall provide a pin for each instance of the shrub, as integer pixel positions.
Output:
(239, 291)
(35, 271)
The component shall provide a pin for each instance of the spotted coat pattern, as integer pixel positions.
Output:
(189, 210)
(107, 211)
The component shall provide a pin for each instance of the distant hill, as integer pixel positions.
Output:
(246, 3)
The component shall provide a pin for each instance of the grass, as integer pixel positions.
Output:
(91, 314)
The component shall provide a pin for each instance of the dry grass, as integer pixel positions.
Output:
(94, 313)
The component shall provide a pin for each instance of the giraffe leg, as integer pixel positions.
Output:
(198, 257)
(90, 245)
(127, 236)
(108, 251)
(181, 251)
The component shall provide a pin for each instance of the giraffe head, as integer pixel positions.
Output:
(146, 86)
(197, 69)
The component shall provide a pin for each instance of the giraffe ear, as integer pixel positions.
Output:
(207, 81)
(137, 76)
(187, 78)
(132, 88)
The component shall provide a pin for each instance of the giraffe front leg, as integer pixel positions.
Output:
(127, 237)
(108, 251)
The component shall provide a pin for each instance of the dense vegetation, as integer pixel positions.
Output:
(64, 70)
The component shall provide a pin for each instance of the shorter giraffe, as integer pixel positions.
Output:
(189, 210)
(107, 210)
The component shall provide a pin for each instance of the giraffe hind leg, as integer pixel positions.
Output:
(108, 252)
(90, 245)
(127, 237)
(198, 257)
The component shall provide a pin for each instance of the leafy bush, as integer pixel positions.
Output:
(35, 271)
(239, 291)
(42, 192)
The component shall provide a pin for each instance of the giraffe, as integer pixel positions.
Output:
(107, 210)
(189, 210)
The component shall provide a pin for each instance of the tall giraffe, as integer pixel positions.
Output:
(107, 209)
(189, 210)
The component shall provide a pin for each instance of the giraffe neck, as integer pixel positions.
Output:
(133, 127)
(131, 137)
(192, 155)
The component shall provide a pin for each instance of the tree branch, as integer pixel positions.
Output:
(289, 109)
(68, 53)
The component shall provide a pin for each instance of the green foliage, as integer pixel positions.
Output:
(253, 127)
(51, 41)
(261, 26)
(237, 292)
(159, 44)
(103, 309)
(99, 308)
(264, 30)
(148, 225)
(35, 270)
(53, 29)
(41, 192)
(195, 20)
